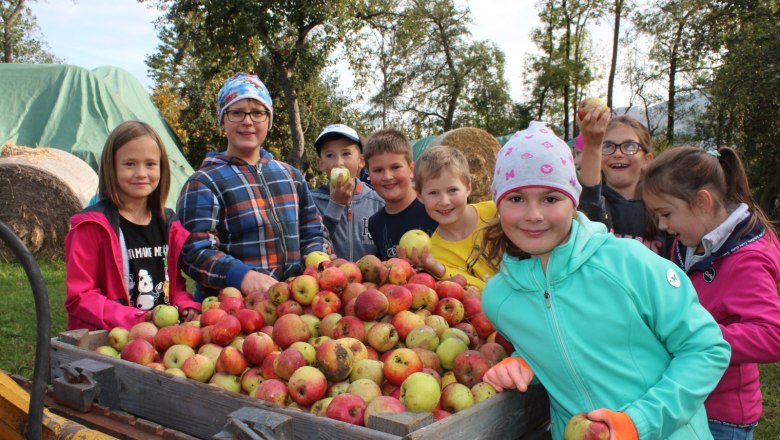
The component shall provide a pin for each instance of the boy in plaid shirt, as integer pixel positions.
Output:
(251, 218)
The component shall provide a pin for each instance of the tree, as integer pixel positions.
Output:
(22, 42)
(290, 42)
(744, 91)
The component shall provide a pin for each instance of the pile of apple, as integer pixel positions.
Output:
(344, 340)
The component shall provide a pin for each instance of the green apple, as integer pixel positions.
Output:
(482, 391)
(448, 350)
(456, 397)
(580, 427)
(118, 337)
(420, 392)
(108, 351)
(339, 174)
(165, 315)
(414, 239)
(587, 104)
(315, 258)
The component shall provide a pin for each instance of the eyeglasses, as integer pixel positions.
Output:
(629, 148)
(254, 115)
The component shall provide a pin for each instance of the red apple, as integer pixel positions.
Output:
(333, 279)
(383, 404)
(334, 360)
(229, 292)
(288, 329)
(423, 297)
(328, 324)
(250, 320)
(272, 391)
(357, 347)
(267, 309)
(324, 303)
(143, 330)
(482, 325)
(139, 351)
(399, 298)
(307, 385)
(404, 321)
(393, 273)
(350, 327)
(493, 351)
(449, 289)
(423, 278)
(162, 339)
(469, 330)
(256, 347)
(287, 362)
(405, 265)
(347, 408)
(231, 304)
(401, 364)
(289, 307)
(371, 305)
(428, 358)
(451, 309)
(352, 291)
(267, 368)
(231, 361)
(225, 330)
(471, 306)
(211, 316)
(352, 272)
(469, 367)
(188, 335)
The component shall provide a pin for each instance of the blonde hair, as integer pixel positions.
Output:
(108, 188)
(387, 140)
(438, 159)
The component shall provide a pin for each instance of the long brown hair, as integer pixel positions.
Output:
(682, 171)
(108, 188)
(496, 243)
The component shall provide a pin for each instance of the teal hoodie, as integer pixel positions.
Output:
(611, 325)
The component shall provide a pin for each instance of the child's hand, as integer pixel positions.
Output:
(423, 260)
(256, 282)
(621, 427)
(512, 372)
(189, 314)
(341, 192)
(593, 126)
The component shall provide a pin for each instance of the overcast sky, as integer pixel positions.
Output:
(94, 33)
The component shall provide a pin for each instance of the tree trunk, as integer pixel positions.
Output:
(613, 63)
(567, 85)
(297, 156)
(8, 24)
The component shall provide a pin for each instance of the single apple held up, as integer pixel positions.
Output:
(582, 428)
(587, 104)
(339, 174)
(414, 239)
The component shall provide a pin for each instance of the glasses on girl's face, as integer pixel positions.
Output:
(240, 115)
(629, 148)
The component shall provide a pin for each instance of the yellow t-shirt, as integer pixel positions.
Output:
(466, 256)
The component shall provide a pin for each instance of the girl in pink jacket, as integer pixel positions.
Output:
(121, 254)
(727, 246)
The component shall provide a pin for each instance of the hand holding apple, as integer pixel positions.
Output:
(591, 103)
(582, 428)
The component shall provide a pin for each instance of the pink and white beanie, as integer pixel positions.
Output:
(535, 157)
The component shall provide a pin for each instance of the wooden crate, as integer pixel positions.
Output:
(202, 410)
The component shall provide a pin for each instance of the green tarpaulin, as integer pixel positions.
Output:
(74, 109)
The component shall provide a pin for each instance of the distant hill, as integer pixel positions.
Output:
(687, 108)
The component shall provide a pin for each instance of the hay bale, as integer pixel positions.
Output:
(40, 188)
(480, 149)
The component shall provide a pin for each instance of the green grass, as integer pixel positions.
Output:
(18, 328)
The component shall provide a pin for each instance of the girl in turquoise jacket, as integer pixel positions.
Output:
(609, 328)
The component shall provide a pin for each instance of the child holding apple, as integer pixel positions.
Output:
(251, 218)
(390, 166)
(121, 252)
(615, 152)
(443, 182)
(345, 202)
(609, 328)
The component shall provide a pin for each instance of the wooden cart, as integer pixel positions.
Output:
(80, 376)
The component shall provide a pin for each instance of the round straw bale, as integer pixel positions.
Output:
(40, 188)
(480, 149)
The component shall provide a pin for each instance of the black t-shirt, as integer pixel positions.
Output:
(147, 251)
(386, 229)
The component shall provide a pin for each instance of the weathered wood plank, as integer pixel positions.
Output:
(400, 423)
(195, 408)
(508, 415)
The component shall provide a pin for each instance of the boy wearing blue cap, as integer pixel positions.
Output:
(251, 218)
(345, 203)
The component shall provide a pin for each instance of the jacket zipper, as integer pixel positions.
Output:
(350, 234)
(564, 350)
(278, 224)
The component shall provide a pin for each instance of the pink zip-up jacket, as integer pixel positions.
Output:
(96, 294)
(738, 286)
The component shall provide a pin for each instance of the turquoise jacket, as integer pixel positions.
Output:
(611, 325)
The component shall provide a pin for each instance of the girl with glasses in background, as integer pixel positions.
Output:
(615, 152)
